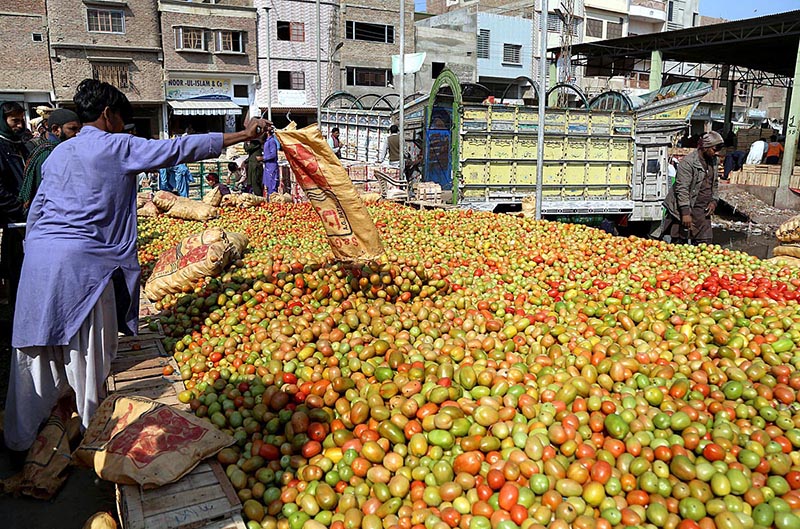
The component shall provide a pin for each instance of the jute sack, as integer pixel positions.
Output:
(789, 230)
(785, 260)
(197, 256)
(529, 207)
(787, 250)
(164, 200)
(149, 209)
(47, 462)
(138, 441)
(142, 199)
(369, 198)
(187, 209)
(351, 232)
(213, 197)
(243, 200)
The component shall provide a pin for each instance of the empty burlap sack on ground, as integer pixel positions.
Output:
(138, 441)
(789, 230)
(45, 468)
(184, 208)
(213, 197)
(351, 232)
(789, 250)
(149, 209)
(197, 256)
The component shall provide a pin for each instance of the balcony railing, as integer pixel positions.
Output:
(204, 3)
(650, 4)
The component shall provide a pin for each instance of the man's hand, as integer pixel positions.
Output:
(711, 208)
(256, 128)
(686, 220)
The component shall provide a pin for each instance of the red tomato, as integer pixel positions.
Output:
(713, 452)
(507, 498)
(601, 472)
(269, 452)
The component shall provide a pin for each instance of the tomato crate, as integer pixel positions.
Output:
(202, 499)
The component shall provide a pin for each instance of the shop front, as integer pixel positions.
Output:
(204, 103)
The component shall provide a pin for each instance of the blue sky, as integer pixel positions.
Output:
(738, 9)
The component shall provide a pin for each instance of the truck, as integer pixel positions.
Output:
(603, 158)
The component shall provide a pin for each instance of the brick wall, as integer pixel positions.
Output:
(373, 54)
(68, 24)
(211, 18)
(24, 64)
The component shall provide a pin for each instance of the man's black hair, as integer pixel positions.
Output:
(334, 129)
(773, 138)
(92, 97)
(394, 129)
(11, 107)
(212, 176)
(232, 166)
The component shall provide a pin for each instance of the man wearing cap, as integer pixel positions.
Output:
(63, 124)
(693, 197)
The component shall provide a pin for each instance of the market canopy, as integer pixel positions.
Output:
(761, 50)
(199, 107)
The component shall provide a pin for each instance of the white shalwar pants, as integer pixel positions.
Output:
(41, 375)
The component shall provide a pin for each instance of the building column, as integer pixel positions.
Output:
(729, 94)
(656, 70)
(784, 197)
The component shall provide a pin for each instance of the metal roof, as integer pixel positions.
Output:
(766, 44)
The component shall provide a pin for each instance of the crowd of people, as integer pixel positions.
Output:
(77, 281)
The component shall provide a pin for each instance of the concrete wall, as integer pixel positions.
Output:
(357, 53)
(456, 49)
(213, 17)
(505, 30)
(24, 64)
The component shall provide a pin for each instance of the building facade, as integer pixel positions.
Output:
(25, 66)
(210, 64)
(448, 41)
(116, 42)
(367, 37)
(683, 14)
(287, 60)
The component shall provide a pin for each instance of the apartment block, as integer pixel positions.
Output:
(24, 63)
(210, 64)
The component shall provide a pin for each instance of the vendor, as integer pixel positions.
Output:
(693, 197)
(80, 276)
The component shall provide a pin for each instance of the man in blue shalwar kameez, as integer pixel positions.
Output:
(80, 277)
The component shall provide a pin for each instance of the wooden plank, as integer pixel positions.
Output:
(190, 481)
(190, 517)
(128, 374)
(224, 482)
(153, 393)
(144, 383)
(130, 506)
(133, 364)
(234, 522)
(168, 500)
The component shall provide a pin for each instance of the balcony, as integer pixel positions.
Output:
(651, 11)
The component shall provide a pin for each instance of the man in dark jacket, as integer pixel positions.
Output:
(12, 162)
(693, 198)
(255, 168)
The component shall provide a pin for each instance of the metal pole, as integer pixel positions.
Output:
(402, 88)
(269, 67)
(542, 101)
(319, 66)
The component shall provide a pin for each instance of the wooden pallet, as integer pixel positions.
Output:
(203, 499)
(138, 370)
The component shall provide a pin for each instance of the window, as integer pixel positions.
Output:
(436, 69)
(241, 90)
(369, 32)
(670, 10)
(368, 76)
(37, 37)
(230, 42)
(191, 39)
(594, 28)
(291, 80)
(115, 74)
(511, 53)
(483, 44)
(291, 31)
(106, 20)
(614, 30)
(554, 23)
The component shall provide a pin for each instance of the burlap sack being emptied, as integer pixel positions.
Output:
(197, 256)
(138, 441)
(350, 230)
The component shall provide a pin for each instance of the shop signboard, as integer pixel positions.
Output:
(194, 87)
